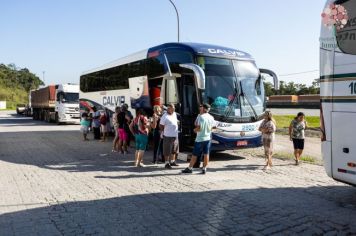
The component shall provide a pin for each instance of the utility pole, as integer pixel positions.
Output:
(175, 8)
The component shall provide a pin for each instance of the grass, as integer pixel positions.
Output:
(13, 96)
(286, 156)
(283, 121)
(278, 155)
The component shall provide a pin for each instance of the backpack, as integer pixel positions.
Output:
(103, 120)
(138, 125)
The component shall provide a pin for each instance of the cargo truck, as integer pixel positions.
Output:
(56, 103)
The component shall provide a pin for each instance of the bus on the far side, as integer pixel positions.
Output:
(186, 74)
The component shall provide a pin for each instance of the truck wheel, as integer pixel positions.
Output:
(57, 119)
(35, 115)
(48, 117)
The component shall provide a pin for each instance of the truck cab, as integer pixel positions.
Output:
(67, 103)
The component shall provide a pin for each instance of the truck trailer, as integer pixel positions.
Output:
(56, 103)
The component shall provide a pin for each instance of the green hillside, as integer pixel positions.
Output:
(15, 84)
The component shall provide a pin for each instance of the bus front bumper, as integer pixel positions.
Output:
(221, 144)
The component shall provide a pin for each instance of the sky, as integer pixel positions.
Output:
(59, 40)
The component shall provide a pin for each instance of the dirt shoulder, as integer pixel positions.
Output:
(283, 149)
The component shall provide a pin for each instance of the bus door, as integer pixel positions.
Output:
(189, 107)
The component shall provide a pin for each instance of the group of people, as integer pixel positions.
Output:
(164, 125)
(296, 135)
(164, 128)
(96, 121)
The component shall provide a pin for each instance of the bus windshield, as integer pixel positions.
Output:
(232, 87)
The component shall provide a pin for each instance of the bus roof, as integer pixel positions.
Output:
(205, 50)
(196, 48)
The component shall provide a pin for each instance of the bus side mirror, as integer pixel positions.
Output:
(273, 75)
(198, 74)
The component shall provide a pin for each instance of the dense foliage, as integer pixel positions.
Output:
(16, 83)
(292, 88)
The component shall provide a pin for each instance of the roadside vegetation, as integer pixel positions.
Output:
(292, 88)
(15, 84)
(283, 121)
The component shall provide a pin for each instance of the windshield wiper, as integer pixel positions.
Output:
(249, 103)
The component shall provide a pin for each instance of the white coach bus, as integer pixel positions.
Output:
(338, 89)
(186, 74)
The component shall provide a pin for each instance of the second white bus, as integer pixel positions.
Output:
(338, 89)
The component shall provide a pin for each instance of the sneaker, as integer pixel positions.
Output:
(187, 171)
(141, 165)
(113, 150)
(203, 171)
(168, 166)
(174, 164)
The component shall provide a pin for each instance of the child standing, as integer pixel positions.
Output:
(85, 123)
(103, 121)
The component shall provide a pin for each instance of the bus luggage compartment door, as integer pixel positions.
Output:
(344, 146)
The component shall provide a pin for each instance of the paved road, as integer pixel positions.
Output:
(52, 183)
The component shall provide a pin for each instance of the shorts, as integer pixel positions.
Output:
(84, 129)
(103, 128)
(170, 146)
(122, 134)
(141, 141)
(201, 148)
(298, 143)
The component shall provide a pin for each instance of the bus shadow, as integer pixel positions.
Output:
(224, 156)
(232, 212)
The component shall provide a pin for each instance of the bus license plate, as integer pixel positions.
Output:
(241, 143)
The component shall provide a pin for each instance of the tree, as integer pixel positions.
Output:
(13, 77)
(315, 87)
(269, 90)
(293, 88)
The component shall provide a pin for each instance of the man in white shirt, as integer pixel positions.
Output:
(169, 127)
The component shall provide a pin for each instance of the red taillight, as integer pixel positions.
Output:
(322, 127)
(153, 54)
